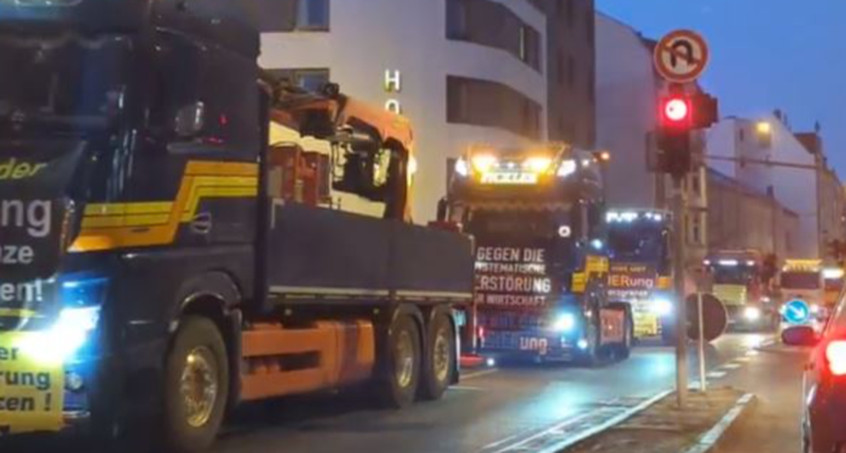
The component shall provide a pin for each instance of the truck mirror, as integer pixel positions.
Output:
(189, 120)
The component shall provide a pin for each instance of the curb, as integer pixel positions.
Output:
(710, 439)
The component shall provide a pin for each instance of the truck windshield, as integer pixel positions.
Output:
(71, 83)
(636, 242)
(800, 280)
(734, 275)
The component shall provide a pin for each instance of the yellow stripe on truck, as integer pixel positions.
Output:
(117, 225)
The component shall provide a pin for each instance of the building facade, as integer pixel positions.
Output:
(463, 71)
(799, 177)
(571, 70)
(627, 90)
(740, 217)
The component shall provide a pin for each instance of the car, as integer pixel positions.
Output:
(824, 382)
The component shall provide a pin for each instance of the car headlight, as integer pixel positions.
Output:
(661, 307)
(752, 313)
(565, 322)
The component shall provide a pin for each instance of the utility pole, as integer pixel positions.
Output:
(679, 233)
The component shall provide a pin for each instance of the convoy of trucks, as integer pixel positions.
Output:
(148, 273)
(738, 282)
(537, 219)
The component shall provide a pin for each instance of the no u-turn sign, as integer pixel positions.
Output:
(681, 56)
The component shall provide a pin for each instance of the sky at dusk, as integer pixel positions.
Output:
(765, 54)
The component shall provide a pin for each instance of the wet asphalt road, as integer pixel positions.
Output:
(508, 409)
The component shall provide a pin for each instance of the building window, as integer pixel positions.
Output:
(571, 71)
(456, 20)
(524, 44)
(490, 104)
(741, 135)
(313, 15)
(591, 86)
(695, 187)
(697, 229)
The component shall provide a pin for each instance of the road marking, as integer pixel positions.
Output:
(742, 359)
(466, 388)
(716, 374)
(477, 374)
(752, 353)
(730, 366)
(710, 438)
(553, 429)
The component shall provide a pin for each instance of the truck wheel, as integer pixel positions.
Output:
(441, 361)
(403, 364)
(624, 351)
(589, 357)
(196, 386)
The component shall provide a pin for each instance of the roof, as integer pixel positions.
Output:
(734, 184)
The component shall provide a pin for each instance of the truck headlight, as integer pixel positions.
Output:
(566, 168)
(64, 338)
(81, 297)
(661, 307)
(815, 309)
(752, 313)
(565, 322)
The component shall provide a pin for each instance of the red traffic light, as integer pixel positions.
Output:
(676, 111)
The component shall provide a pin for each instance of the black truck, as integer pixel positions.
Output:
(148, 275)
(537, 219)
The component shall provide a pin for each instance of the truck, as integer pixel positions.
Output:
(803, 280)
(738, 282)
(149, 279)
(536, 215)
(639, 244)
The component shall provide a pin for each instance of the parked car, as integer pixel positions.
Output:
(824, 415)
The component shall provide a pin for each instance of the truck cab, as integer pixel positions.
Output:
(641, 268)
(803, 280)
(537, 219)
(738, 282)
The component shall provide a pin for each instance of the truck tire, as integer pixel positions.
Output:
(440, 364)
(196, 386)
(590, 357)
(623, 349)
(399, 387)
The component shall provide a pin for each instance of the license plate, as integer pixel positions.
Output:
(509, 178)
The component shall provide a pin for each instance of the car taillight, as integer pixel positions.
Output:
(835, 354)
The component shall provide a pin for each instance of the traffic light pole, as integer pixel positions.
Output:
(681, 306)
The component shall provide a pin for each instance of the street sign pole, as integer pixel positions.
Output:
(703, 383)
(681, 305)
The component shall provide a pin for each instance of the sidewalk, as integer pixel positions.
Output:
(774, 425)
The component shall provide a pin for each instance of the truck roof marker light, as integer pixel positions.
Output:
(566, 168)
(483, 162)
(630, 216)
(750, 263)
(729, 263)
(597, 244)
(706, 262)
(461, 167)
(612, 216)
(657, 217)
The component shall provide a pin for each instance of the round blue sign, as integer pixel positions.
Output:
(797, 312)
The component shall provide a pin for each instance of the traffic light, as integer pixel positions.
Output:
(678, 115)
(673, 136)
